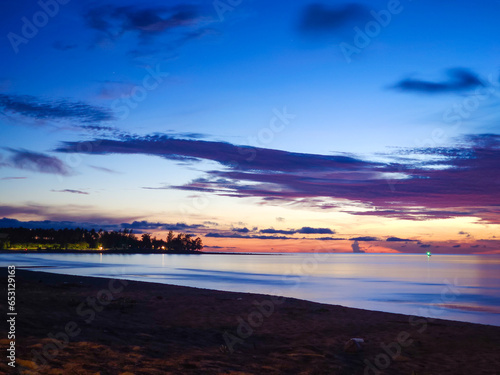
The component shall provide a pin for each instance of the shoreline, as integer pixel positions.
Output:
(148, 328)
(73, 251)
(104, 252)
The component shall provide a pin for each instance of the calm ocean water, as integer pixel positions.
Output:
(456, 287)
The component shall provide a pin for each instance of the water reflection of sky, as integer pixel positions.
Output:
(460, 287)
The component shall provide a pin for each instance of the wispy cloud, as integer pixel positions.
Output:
(189, 135)
(72, 191)
(13, 178)
(167, 26)
(100, 129)
(56, 109)
(36, 162)
(460, 80)
(103, 169)
(243, 158)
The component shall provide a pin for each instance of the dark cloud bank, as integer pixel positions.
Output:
(459, 80)
(451, 182)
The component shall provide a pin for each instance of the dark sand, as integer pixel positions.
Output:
(161, 329)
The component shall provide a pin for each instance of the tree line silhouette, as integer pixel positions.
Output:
(84, 239)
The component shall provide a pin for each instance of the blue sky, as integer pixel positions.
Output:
(115, 112)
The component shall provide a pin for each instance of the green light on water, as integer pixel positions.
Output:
(428, 253)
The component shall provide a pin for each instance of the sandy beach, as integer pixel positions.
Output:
(81, 325)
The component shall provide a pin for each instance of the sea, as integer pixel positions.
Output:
(454, 287)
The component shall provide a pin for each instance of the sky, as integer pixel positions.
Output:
(259, 126)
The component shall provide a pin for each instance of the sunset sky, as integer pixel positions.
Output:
(257, 125)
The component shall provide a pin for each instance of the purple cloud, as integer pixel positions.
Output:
(429, 183)
(242, 158)
(103, 169)
(56, 109)
(37, 162)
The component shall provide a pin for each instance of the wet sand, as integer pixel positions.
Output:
(82, 325)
